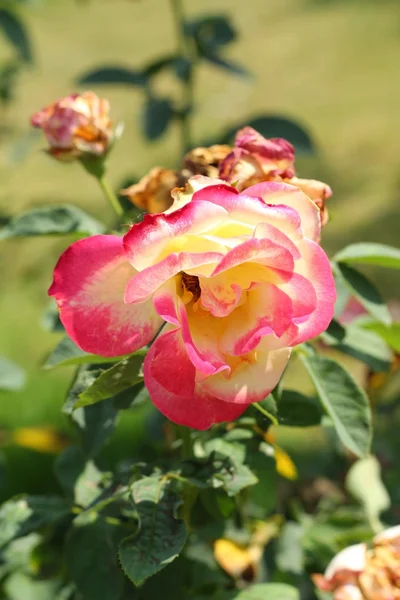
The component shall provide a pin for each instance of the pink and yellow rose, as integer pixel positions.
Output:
(235, 280)
(362, 573)
(76, 125)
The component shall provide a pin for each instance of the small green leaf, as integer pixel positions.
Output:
(290, 554)
(221, 467)
(391, 334)
(269, 591)
(211, 32)
(67, 468)
(52, 220)
(157, 115)
(12, 377)
(366, 293)
(113, 75)
(68, 353)
(334, 334)
(92, 563)
(16, 33)
(371, 254)
(366, 346)
(298, 410)
(344, 401)
(96, 424)
(374, 496)
(111, 382)
(161, 535)
(24, 514)
(87, 486)
(227, 65)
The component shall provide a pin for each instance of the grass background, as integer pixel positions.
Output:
(331, 65)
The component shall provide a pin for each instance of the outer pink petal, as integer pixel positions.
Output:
(252, 209)
(282, 193)
(253, 376)
(314, 266)
(145, 241)
(170, 379)
(89, 284)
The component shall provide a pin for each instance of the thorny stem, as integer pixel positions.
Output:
(186, 55)
(267, 414)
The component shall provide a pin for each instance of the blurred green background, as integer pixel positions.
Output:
(332, 66)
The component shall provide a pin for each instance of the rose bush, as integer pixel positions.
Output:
(76, 125)
(239, 278)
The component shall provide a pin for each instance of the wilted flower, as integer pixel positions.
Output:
(153, 192)
(238, 278)
(76, 125)
(252, 160)
(362, 573)
(205, 161)
(255, 159)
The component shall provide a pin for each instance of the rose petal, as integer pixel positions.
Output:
(281, 193)
(315, 267)
(170, 379)
(89, 285)
(153, 239)
(252, 377)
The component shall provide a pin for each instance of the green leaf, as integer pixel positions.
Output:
(24, 514)
(51, 319)
(344, 401)
(366, 346)
(16, 33)
(391, 334)
(371, 254)
(92, 563)
(269, 591)
(68, 353)
(366, 293)
(113, 75)
(290, 554)
(157, 115)
(276, 126)
(221, 467)
(161, 535)
(52, 220)
(211, 32)
(374, 496)
(298, 410)
(111, 382)
(12, 377)
(334, 334)
(227, 65)
(20, 586)
(87, 486)
(67, 468)
(96, 424)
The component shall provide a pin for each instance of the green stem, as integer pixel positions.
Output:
(185, 53)
(109, 194)
(267, 414)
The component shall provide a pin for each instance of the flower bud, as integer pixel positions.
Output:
(76, 126)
